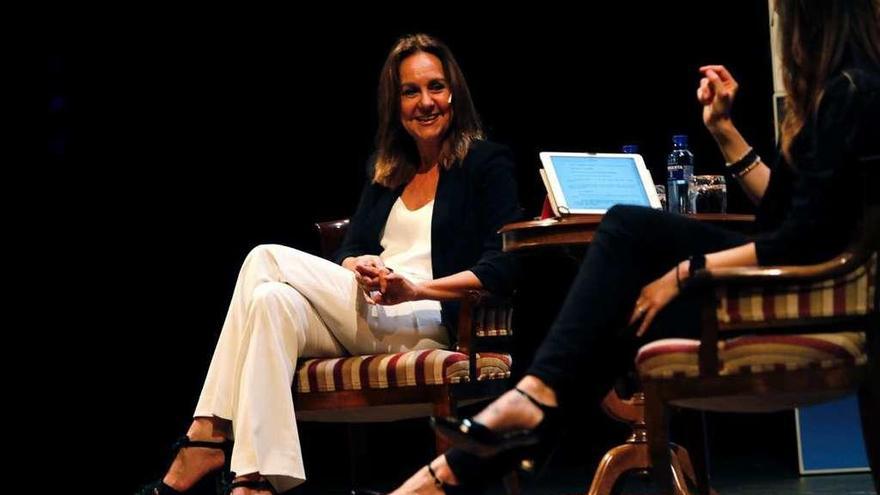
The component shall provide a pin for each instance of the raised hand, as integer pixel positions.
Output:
(716, 93)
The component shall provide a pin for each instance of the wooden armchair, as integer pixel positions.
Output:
(775, 338)
(389, 387)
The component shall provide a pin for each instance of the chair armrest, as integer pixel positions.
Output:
(480, 297)
(763, 275)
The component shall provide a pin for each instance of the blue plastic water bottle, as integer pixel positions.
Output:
(679, 169)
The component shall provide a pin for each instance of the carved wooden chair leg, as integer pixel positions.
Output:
(632, 455)
(684, 460)
(687, 467)
(679, 482)
(616, 462)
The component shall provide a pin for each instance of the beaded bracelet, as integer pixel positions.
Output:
(744, 165)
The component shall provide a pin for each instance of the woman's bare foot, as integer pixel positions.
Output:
(422, 483)
(192, 463)
(512, 410)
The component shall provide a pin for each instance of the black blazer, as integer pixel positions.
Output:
(474, 199)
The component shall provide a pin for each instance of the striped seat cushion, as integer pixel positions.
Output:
(671, 358)
(848, 294)
(404, 369)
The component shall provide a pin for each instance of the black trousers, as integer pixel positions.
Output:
(588, 346)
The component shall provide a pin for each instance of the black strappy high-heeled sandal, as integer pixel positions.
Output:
(252, 484)
(474, 474)
(159, 487)
(448, 489)
(460, 489)
(476, 438)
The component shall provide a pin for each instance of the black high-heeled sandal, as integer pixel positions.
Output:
(476, 438)
(448, 489)
(461, 489)
(159, 487)
(252, 484)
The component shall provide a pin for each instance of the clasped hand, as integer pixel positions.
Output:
(382, 285)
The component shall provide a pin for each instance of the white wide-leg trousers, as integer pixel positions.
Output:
(288, 304)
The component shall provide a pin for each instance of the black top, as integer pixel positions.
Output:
(810, 207)
(474, 199)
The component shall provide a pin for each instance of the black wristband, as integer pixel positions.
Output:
(697, 262)
(737, 168)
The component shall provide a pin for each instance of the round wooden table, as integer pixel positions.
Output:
(577, 230)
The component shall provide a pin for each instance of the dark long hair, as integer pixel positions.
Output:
(397, 157)
(815, 37)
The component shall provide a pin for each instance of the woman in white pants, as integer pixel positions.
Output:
(424, 232)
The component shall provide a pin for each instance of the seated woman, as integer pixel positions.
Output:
(425, 231)
(632, 273)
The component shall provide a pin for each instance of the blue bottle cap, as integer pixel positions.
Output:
(680, 140)
(630, 148)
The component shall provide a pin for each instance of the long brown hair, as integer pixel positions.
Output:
(397, 157)
(815, 37)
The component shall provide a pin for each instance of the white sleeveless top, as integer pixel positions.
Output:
(406, 249)
(406, 241)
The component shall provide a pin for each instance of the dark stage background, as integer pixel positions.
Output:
(184, 139)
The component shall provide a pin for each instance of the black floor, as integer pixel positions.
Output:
(744, 481)
(750, 455)
(565, 481)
